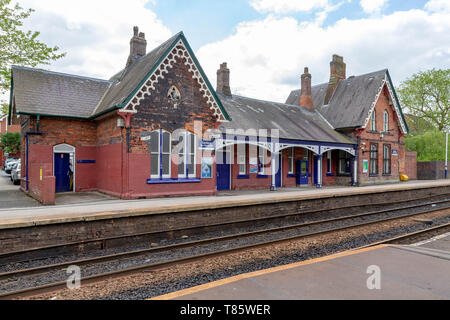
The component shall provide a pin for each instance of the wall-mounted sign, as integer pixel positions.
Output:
(395, 152)
(365, 166)
(207, 168)
(86, 161)
(206, 144)
(253, 165)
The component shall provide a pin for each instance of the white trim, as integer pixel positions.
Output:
(179, 51)
(329, 148)
(394, 103)
(281, 146)
(71, 150)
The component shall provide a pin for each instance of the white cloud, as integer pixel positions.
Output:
(94, 33)
(373, 6)
(267, 57)
(285, 6)
(438, 5)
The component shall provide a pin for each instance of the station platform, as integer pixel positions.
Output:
(113, 209)
(419, 271)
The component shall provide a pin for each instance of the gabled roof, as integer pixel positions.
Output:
(44, 92)
(293, 122)
(56, 94)
(127, 80)
(352, 100)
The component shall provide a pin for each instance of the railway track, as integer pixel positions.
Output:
(349, 223)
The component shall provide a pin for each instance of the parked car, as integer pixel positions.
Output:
(15, 173)
(9, 164)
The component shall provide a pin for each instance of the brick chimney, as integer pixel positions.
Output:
(337, 73)
(223, 80)
(306, 99)
(138, 46)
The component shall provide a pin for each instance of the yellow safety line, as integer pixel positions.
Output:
(221, 282)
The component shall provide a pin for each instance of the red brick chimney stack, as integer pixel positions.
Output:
(306, 99)
(138, 46)
(337, 73)
(223, 80)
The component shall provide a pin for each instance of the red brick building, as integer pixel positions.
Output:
(366, 109)
(158, 128)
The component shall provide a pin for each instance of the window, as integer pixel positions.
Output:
(329, 162)
(291, 160)
(344, 163)
(160, 154)
(242, 159)
(186, 155)
(373, 158)
(174, 94)
(262, 155)
(373, 126)
(387, 159)
(385, 121)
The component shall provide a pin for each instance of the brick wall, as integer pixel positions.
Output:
(431, 170)
(393, 138)
(411, 164)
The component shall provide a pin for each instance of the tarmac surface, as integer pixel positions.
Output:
(419, 271)
(100, 207)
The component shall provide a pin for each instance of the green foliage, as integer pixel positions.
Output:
(10, 142)
(17, 46)
(430, 146)
(426, 96)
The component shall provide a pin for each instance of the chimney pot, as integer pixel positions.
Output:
(337, 73)
(223, 80)
(306, 99)
(138, 46)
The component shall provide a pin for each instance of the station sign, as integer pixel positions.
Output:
(206, 144)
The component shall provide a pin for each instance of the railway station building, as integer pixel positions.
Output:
(159, 128)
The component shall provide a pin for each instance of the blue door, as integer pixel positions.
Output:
(278, 175)
(302, 172)
(223, 170)
(62, 174)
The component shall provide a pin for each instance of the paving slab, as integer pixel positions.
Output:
(406, 272)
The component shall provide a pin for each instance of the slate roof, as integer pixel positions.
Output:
(44, 92)
(294, 122)
(351, 101)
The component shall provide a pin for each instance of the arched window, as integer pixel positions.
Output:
(385, 121)
(187, 155)
(160, 154)
(174, 94)
(373, 126)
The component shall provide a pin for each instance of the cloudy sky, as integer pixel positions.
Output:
(265, 42)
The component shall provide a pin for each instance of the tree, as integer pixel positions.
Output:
(19, 47)
(10, 142)
(426, 96)
(430, 146)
